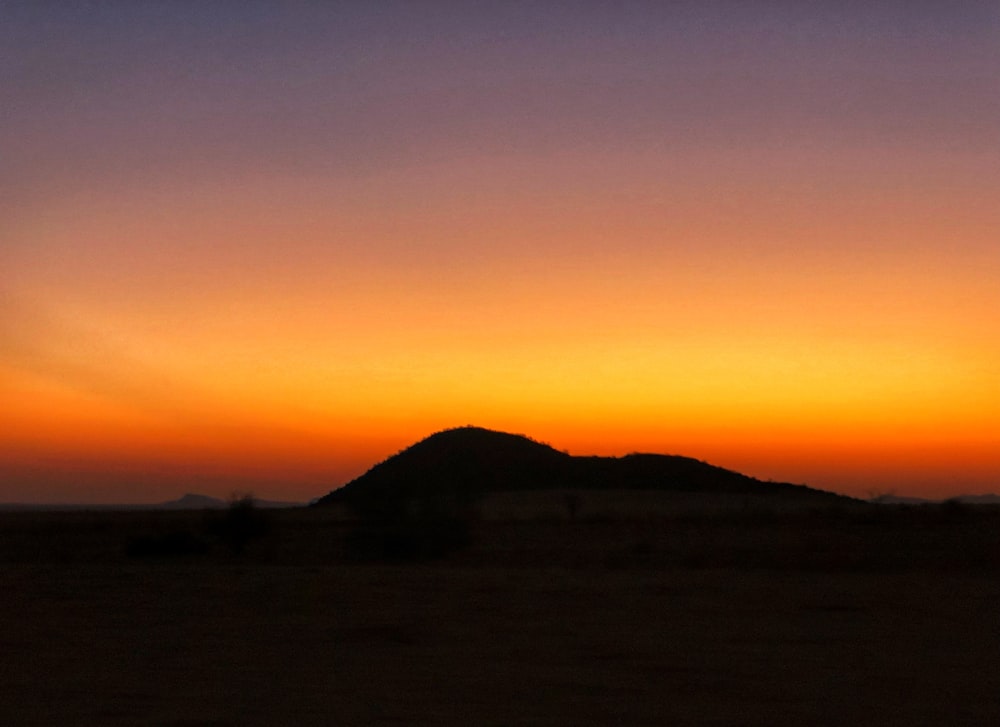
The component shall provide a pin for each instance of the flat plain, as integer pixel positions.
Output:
(868, 616)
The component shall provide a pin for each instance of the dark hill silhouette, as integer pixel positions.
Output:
(457, 465)
(193, 501)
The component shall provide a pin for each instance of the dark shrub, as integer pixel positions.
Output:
(240, 523)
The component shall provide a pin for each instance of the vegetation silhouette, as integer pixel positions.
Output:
(241, 522)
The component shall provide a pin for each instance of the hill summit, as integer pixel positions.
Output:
(463, 463)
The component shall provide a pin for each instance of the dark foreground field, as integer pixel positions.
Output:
(866, 617)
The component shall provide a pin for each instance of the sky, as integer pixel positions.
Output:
(259, 247)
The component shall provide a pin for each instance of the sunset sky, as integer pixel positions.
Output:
(261, 246)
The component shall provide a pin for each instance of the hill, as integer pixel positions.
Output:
(460, 464)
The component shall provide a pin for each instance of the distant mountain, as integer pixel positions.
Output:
(978, 499)
(193, 501)
(458, 464)
(190, 501)
(988, 499)
(900, 500)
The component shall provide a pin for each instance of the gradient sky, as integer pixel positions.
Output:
(261, 246)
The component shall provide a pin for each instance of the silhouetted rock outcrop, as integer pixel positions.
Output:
(457, 465)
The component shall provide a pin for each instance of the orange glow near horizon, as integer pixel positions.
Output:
(767, 242)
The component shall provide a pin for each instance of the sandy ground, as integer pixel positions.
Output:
(270, 639)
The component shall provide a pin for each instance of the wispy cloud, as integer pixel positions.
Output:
(38, 339)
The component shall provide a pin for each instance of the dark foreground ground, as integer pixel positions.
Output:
(868, 617)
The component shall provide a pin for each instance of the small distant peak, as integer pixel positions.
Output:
(194, 501)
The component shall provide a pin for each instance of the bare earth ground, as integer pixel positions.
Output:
(794, 620)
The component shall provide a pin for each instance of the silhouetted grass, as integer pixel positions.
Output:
(710, 621)
(870, 538)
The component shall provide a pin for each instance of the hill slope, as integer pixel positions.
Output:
(460, 464)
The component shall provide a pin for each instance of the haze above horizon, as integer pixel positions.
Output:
(262, 246)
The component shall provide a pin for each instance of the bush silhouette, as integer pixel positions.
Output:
(240, 523)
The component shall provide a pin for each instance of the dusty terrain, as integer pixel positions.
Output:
(877, 617)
